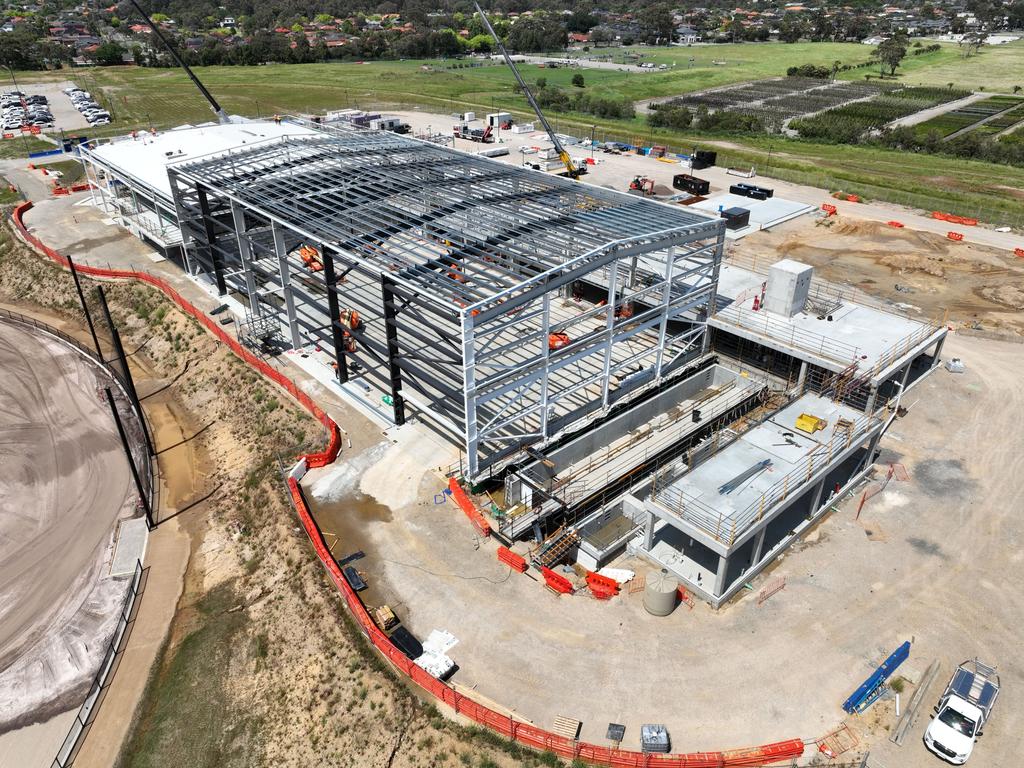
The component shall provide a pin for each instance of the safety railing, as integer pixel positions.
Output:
(83, 719)
(505, 725)
(726, 528)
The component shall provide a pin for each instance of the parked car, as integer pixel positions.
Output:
(962, 712)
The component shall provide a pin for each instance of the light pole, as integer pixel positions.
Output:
(769, 168)
(592, 129)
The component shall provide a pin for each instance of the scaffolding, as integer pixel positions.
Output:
(462, 271)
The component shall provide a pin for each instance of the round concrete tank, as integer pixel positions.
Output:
(661, 594)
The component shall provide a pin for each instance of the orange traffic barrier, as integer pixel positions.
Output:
(852, 199)
(524, 733)
(511, 559)
(1018, 252)
(466, 505)
(955, 236)
(556, 581)
(939, 215)
(602, 587)
(829, 209)
(897, 224)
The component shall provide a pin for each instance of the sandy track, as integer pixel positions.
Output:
(65, 485)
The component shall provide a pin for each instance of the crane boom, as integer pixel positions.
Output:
(571, 170)
(222, 116)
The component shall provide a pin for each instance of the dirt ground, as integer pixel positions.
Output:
(262, 656)
(261, 665)
(66, 487)
(930, 559)
(927, 274)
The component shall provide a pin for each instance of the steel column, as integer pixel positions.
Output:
(245, 253)
(391, 332)
(211, 240)
(334, 312)
(286, 287)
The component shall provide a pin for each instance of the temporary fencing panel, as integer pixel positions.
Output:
(523, 733)
(829, 209)
(955, 236)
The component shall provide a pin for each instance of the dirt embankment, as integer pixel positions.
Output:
(262, 665)
(979, 286)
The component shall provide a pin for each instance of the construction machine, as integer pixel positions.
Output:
(481, 135)
(571, 169)
(641, 185)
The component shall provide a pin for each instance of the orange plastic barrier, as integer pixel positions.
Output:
(511, 559)
(955, 236)
(897, 224)
(466, 504)
(829, 209)
(1018, 252)
(556, 581)
(954, 219)
(853, 198)
(502, 724)
(602, 587)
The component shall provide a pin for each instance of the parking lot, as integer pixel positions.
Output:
(63, 113)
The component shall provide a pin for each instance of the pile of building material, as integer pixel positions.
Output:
(434, 659)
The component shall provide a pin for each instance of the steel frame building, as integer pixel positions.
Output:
(462, 269)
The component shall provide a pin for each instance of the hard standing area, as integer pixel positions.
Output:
(65, 487)
(926, 560)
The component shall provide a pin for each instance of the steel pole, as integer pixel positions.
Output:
(131, 460)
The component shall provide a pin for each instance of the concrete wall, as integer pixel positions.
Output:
(626, 422)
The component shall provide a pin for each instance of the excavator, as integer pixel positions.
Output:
(572, 170)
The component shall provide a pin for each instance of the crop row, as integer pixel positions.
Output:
(846, 124)
(958, 119)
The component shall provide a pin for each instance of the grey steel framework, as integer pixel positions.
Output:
(462, 269)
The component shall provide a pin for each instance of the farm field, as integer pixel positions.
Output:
(959, 119)
(775, 101)
(1006, 120)
(848, 123)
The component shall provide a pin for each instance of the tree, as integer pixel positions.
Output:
(791, 28)
(481, 44)
(890, 53)
(656, 24)
(109, 54)
(577, 80)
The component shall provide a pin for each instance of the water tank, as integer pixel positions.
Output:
(661, 594)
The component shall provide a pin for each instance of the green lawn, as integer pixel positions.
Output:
(996, 68)
(20, 146)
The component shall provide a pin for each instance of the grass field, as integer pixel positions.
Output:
(996, 68)
(140, 97)
(20, 146)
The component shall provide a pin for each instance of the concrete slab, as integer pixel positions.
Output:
(129, 546)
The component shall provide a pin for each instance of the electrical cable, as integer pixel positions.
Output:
(449, 575)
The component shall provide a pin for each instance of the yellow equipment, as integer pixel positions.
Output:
(809, 423)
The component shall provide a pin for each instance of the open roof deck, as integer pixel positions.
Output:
(839, 327)
(453, 224)
(789, 457)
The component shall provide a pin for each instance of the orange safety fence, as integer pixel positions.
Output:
(829, 209)
(896, 224)
(556, 581)
(955, 236)
(466, 505)
(954, 219)
(524, 733)
(1018, 252)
